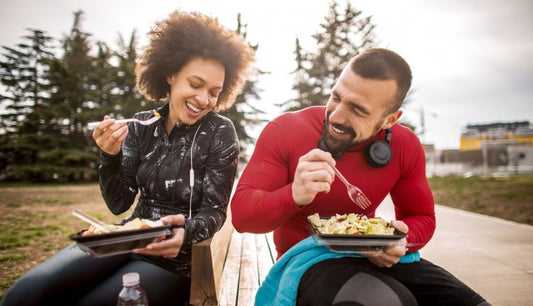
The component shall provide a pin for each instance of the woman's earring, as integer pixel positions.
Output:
(155, 132)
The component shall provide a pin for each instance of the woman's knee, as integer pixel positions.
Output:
(62, 276)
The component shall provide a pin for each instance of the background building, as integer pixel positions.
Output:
(475, 136)
(487, 149)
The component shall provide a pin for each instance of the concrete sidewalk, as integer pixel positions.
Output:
(491, 255)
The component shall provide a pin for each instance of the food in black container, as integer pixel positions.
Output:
(354, 233)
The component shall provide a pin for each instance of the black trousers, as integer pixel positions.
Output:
(356, 281)
(73, 278)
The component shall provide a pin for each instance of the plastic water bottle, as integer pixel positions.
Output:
(132, 293)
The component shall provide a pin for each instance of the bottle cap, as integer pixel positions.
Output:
(130, 279)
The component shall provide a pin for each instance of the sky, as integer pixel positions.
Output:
(472, 61)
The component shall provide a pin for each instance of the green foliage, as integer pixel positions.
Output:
(45, 140)
(22, 74)
(343, 36)
(128, 100)
(50, 97)
(243, 114)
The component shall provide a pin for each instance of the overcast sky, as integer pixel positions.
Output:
(472, 61)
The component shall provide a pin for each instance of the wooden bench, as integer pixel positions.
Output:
(229, 268)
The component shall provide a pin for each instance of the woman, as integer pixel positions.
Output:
(183, 165)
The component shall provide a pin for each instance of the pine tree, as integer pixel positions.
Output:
(49, 98)
(62, 153)
(243, 114)
(22, 76)
(102, 83)
(129, 99)
(25, 97)
(343, 36)
(70, 77)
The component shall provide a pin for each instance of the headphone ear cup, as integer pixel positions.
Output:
(378, 154)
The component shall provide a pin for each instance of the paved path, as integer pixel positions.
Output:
(491, 255)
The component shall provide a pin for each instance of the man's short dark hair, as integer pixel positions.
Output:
(383, 64)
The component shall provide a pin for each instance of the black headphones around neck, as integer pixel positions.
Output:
(378, 154)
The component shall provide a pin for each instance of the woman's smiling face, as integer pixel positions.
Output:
(194, 90)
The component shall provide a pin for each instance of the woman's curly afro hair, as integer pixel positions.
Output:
(183, 37)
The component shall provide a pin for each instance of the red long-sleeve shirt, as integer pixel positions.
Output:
(263, 199)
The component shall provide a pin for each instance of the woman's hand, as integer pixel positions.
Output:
(171, 246)
(391, 255)
(314, 174)
(109, 135)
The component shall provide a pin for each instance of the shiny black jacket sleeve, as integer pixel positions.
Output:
(117, 181)
(158, 166)
(220, 155)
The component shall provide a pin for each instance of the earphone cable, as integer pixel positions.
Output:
(191, 172)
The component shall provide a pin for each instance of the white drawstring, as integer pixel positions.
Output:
(191, 172)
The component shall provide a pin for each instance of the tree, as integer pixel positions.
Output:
(78, 81)
(342, 37)
(47, 99)
(101, 83)
(71, 79)
(243, 114)
(50, 145)
(130, 99)
(22, 75)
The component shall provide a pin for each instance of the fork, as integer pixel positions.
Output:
(92, 220)
(92, 125)
(356, 195)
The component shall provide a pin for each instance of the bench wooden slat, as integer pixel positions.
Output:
(248, 280)
(271, 246)
(229, 268)
(230, 274)
(207, 262)
(264, 257)
(203, 289)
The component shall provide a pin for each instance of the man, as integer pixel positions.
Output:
(289, 178)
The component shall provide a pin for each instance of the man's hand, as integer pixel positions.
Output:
(314, 174)
(391, 255)
(169, 247)
(109, 135)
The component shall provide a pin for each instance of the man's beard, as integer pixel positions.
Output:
(338, 147)
(334, 146)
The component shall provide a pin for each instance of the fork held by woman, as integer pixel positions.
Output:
(92, 125)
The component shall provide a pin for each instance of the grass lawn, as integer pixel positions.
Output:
(36, 220)
(509, 198)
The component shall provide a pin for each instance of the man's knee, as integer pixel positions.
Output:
(368, 289)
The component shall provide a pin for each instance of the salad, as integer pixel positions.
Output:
(350, 224)
(134, 224)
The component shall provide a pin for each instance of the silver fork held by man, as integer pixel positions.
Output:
(356, 195)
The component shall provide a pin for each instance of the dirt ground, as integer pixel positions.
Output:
(36, 222)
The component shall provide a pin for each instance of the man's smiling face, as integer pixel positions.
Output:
(357, 109)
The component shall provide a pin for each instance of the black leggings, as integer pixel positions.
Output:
(356, 281)
(73, 278)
